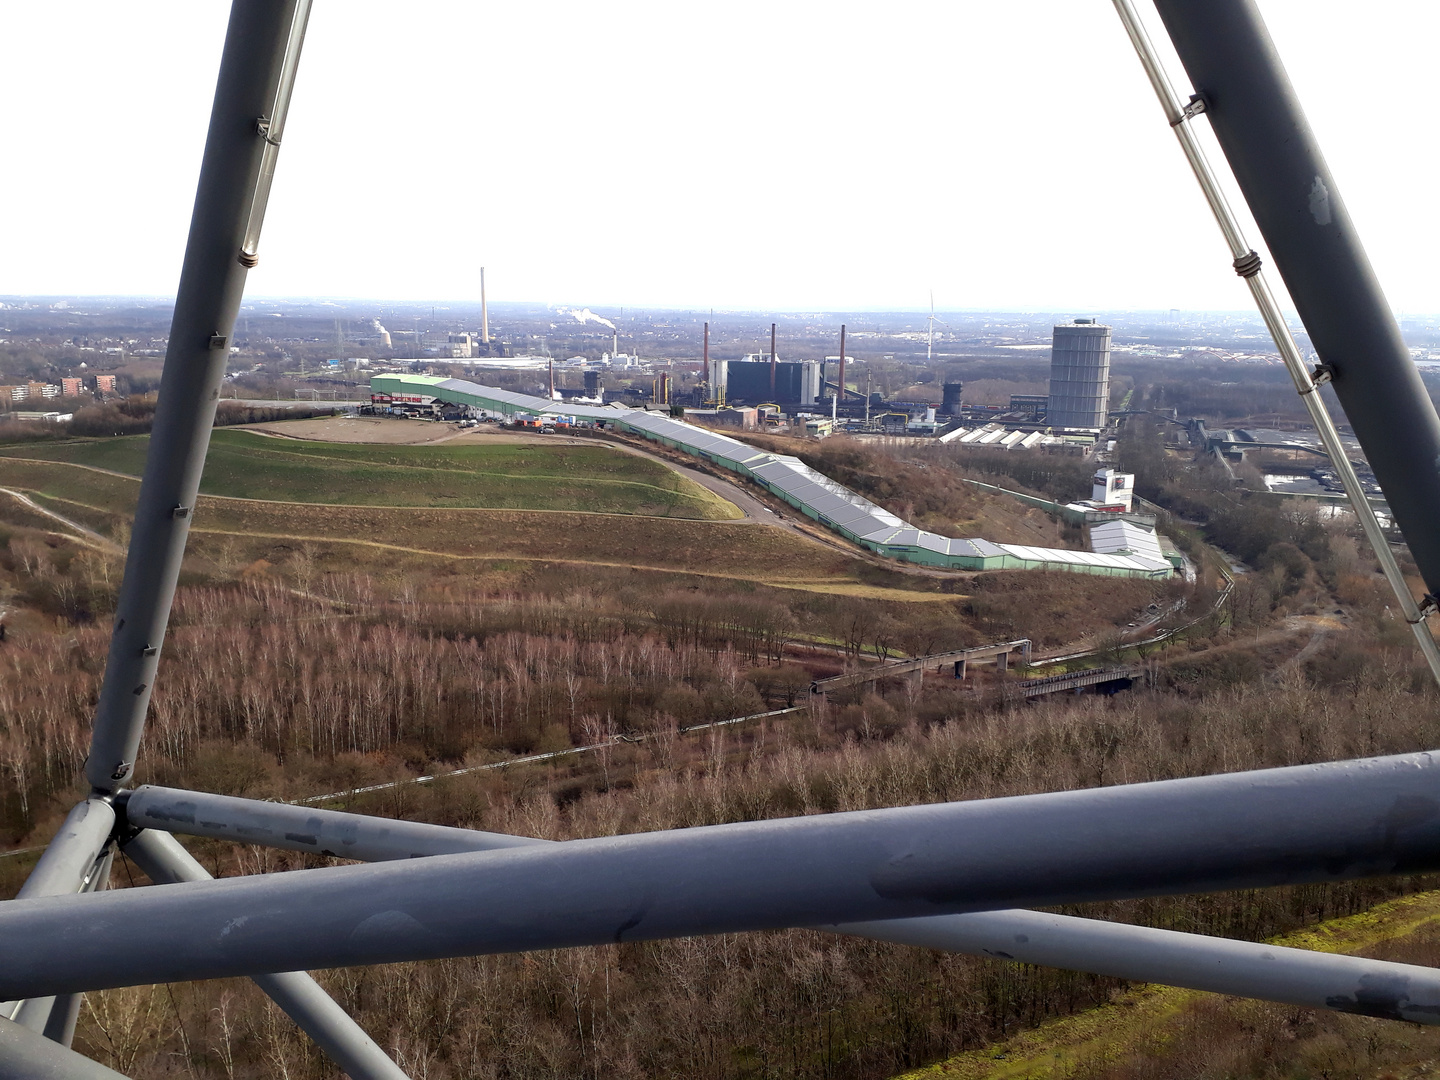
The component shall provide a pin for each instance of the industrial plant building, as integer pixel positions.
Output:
(796, 382)
(1079, 376)
(812, 493)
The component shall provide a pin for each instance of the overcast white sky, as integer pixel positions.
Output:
(799, 155)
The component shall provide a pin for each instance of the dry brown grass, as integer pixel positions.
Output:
(928, 494)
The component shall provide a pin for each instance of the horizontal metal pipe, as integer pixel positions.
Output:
(26, 1055)
(298, 828)
(1242, 968)
(1243, 830)
(162, 857)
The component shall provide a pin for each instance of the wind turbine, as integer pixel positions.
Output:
(930, 335)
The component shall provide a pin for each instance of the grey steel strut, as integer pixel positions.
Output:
(257, 70)
(1247, 264)
(1245, 94)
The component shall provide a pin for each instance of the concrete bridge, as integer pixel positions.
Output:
(957, 659)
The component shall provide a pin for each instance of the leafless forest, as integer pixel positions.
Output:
(307, 678)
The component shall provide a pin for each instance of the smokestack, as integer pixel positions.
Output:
(772, 361)
(615, 345)
(707, 350)
(484, 311)
(840, 381)
(552, 378)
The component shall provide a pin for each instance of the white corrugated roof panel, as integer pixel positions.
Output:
(1124, 537)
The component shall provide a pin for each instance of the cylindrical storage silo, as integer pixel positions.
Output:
(1079, 375)
(950, 404)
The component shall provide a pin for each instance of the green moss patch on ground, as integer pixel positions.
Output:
(1152, 1030)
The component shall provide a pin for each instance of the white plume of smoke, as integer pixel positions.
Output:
(585, 315)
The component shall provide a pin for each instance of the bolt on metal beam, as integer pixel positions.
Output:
(1309, 823)
(1250, 969)
(24, 1055)
(257, 68)
(1245, 93)
(163, 858)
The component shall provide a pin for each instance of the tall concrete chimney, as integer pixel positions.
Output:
(484, 311)
(772, 361)
(840, 380)
(552, 378)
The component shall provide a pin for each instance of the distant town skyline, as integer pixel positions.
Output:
(1011, 159)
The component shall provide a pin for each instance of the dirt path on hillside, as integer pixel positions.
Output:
(87, 536)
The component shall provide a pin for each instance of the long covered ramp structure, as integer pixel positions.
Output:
(812, 493)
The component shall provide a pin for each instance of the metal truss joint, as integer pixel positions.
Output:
(1320, 374)
(1192, 109)
(263, 127)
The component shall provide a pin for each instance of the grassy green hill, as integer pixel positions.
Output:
(595, 479)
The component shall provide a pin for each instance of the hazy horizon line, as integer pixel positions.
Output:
(337, 300)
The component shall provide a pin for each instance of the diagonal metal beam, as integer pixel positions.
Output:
(71, 862)
(65, 1012)
(1243, 968)
(314, 1011)
(24, 1055)
(257, 69)
(301, 828)
(1246, 95)
(1247, 263)
(1308, 823)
